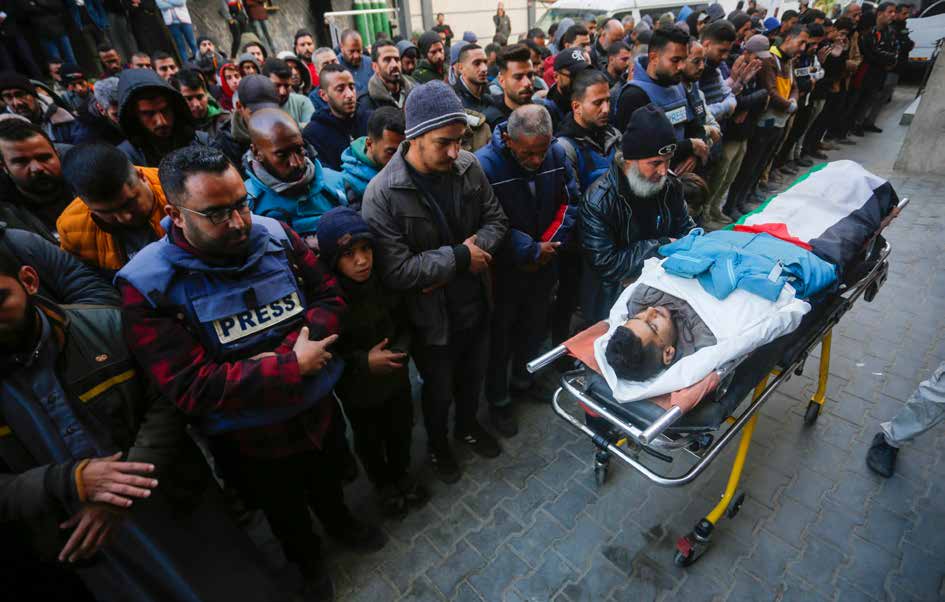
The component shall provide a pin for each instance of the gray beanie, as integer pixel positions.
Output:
(455, 49)
(106, 91)
(431, 106)
(404, 45)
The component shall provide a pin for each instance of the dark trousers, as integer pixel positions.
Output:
(237, 26)
(760, 147)
(519, 325)
(382, 435)
(833, 109)
(801, 119)
(16, 55)
(452, 372)
(569, 287)
(285, 488)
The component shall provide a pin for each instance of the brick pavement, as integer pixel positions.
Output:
(816, 525)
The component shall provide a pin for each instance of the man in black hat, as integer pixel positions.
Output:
(642, 187)
(19, 96)
(78, 89)
(432, 58)
(568, 63)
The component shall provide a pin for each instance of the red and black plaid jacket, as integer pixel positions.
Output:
(185, 373)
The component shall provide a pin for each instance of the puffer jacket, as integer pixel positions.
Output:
(411, 253)
(134, 84)
(542, 206)
(325, 192)
(589, 153)
(64, 279)
(357, 171)
(619, 232)
(94, 242)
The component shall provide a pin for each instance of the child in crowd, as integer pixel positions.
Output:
(375, 387)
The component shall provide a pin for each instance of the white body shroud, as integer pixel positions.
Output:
(741, 323)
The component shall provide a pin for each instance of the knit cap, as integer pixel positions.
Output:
(455, 49)
(431, 106)
(338, 229)
(470, 37)
(16, 81)
(649, 134)
(403, 45)
(427, 40)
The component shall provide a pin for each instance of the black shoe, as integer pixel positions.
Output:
(415, 494)
(504, 420)
(444, 464)
(858, 131)
(881, 457)
(804, 162)
(732, 213)
(820, 155)
(319, 586)
(846, 141)
(358, 536)
(872, 128)
(392, 502)
(789, 169)
(480, 441)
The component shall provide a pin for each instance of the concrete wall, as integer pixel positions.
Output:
(461, 15)
(923, 150)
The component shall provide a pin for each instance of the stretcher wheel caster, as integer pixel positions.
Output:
(813, 411)
(870, 293)
(735, 506)
(601, 467)
(691, 547)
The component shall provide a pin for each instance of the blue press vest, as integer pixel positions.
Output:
(237, 311)
(671, 99)
(590, 163)
(711, 85)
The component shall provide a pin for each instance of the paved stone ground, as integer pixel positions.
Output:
(817, 525)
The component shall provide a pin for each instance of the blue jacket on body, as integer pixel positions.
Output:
(302, 212)
(758, 263)
(357, 170)
(361, 74)
(541, 205)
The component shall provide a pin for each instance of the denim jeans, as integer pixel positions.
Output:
(925, 409)
(58, 48)
(183, 34)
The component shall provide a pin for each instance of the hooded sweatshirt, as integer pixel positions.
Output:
(357, 170)
(141, 147)
(330, 135)
(226, 100)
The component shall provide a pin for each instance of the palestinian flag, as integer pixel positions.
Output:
(833, 210)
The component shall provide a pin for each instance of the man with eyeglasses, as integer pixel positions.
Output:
(117, 210)
(233, 316)
(633, 209)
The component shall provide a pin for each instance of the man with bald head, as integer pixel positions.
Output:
(610, 32)
(284, 179)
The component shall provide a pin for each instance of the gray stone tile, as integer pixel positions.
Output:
(870, 565)
(571, 503)
(539, 537)
(818, 564)
(550, 577)
(524, 505)
(403, 568)
(447, 575)
(500, 527)
(496, 577)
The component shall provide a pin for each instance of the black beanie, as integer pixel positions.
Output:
(17, 81)
(649, 134)
(426, 40)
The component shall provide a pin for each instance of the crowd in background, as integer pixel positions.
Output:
(211, 269)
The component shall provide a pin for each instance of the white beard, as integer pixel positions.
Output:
(640, 186)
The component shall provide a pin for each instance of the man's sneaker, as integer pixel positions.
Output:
(804, 162)
(444, 464)
(415, 493)
(872, 128)
(480, 441)
(358, 536)
(788, 169)
(881, 457)
(819, 155)
(504, 420)
(826, 146)
(717, 216)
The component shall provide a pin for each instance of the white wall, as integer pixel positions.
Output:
(476, 16)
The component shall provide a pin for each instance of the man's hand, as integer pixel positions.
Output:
(384, 361)
(548, 252)
(752, 70)
(700, 149)
(739, 67)
(714, 134)
(889, 218)
(686, 166)
(479, 260)
(312, 355)
(93, 524)
(112, 481)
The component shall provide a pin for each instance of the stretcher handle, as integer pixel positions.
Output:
(546, 359)
(659, 425)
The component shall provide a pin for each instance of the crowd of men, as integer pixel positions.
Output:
(247, 256)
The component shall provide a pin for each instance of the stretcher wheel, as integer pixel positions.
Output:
(813, 411)
(870, 293)
(691, 547)
(601, 468)
(735, 506)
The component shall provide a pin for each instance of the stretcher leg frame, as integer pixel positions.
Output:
(823, 374)
(691, 546)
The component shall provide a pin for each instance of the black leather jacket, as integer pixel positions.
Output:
(615, 243)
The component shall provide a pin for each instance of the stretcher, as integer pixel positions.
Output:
(675, 434)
